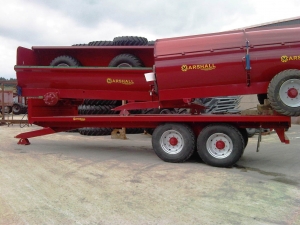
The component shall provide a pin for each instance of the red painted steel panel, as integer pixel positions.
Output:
(26, 57)
(214, 65)
(85, 82)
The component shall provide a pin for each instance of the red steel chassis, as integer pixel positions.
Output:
(53, 124)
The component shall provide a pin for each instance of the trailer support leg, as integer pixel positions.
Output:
(281, 134)
(45, 131)
(23, 141)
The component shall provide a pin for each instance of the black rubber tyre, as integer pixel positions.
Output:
(245, 136)
(173, 142)
(96, 109)
(17, 108)
(125, 60)
(130, 40)
(80, 45)
(220, 145)
(100, 102)
(65, 61)
(7, 109)
(261, 98)
(250, 132)
(101, 43)
(284, 92)
(95, 131)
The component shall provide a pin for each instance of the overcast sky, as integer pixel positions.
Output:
(65, 22)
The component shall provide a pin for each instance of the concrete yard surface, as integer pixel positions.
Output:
(66, 178)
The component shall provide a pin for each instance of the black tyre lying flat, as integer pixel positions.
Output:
(96, 109)
(125, 60)
(220, 145)
(65, 61)
(101, 102)
(102, 131)
(130, 40)
(284, 92)
(80, 45)
(95, 131)
(173, 142)
(100, 43)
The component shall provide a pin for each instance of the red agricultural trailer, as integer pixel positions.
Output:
(57, 79)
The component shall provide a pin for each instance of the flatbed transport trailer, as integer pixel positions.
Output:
(220, 140)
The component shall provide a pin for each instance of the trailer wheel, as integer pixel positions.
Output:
(17, 108)
(125, 60)
(173, 142)
(65, 61)
(284, 92)
(220, 145)
(130, 40)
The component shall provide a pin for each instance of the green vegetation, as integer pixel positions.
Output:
(8, 85)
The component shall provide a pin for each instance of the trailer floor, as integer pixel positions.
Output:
(67, 178)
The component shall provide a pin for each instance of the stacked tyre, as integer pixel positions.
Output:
(121, 41)
(102, 107)
(96, 107)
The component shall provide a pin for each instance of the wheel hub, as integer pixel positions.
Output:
(220, 144)
(173, 141)
(292, 93)
(289, 93)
